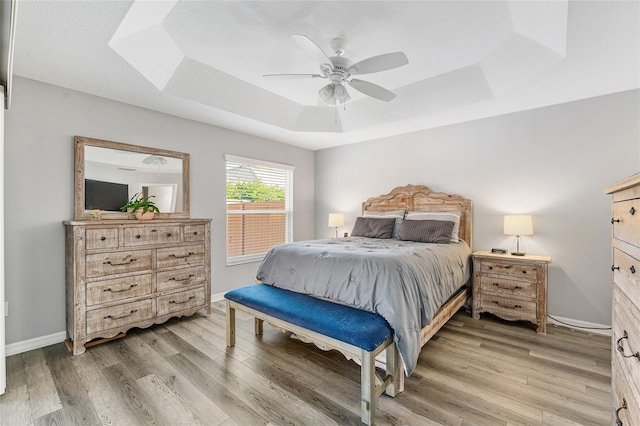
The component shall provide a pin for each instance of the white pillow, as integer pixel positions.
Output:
(446, 216)
(398, 214)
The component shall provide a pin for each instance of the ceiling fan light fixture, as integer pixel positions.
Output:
(327, 94)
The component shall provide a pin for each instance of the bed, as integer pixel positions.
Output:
(378, 274)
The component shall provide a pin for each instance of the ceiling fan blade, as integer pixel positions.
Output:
(290, 76)
(311, 49)
(372, 90)
(379, 63)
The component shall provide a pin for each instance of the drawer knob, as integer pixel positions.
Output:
(168, 234)
(615, 220)
(123, 316)
(176, 256)
(195, 232)
(613, 268)
(508, 267)
(103, 238)
(108, 262)
(138, 236)
(620, 347)
(622, 407)
(120, 291)
(632, 269)
(182, 279)
(490, 267)
(173, 302)
(632, 211)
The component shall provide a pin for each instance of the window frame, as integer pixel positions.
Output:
(287, 212)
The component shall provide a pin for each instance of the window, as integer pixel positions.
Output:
(259, 208)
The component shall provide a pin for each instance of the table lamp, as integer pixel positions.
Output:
(518, 225)
(336, 220)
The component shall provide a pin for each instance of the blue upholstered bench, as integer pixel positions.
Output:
(358, 334)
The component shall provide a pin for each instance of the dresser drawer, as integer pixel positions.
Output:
(180, 278)
(145, 235)
(182, 300)
(526, 272)
(117, 289)
(623, 393)
(118, 316)
(101, 238)
(628, 229)
(626, 337)
(176, 256)
(508, 287)
(117, 262)
(508, 308)
(627, 277)
(193, 233)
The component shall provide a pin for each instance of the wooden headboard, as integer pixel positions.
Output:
(421, 198)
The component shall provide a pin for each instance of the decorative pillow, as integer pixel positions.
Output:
(426, 231)
(373, 228)
(445, 216)
(397, 214)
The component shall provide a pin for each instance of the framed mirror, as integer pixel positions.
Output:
(108, 174)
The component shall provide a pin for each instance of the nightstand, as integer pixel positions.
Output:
(511, 287)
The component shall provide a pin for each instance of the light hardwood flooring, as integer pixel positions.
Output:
(484, 372)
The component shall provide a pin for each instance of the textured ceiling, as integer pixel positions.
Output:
(204, 60)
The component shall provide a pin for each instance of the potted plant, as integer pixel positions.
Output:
(142, 208)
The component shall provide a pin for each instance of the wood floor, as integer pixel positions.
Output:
(486, 372)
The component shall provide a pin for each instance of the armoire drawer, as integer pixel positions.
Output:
(120, 262)
(180, 301)
(145, 235)
(118, 289)
(626, 226)
(177, 278)
(626, 274)
(118, 316)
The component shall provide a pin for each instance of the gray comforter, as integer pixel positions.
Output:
(405, 282)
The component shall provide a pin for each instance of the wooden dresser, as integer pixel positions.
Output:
(511, 287)
(128, 273)
(625, 354)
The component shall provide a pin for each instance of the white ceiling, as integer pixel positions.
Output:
(204, 60)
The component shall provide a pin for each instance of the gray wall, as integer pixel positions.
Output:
(552, 162)
(39, 130)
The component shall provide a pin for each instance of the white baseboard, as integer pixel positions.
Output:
(591, 327)
(52, 339)
(35, 343)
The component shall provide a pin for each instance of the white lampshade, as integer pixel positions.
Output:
(519, 224)
(336, 220)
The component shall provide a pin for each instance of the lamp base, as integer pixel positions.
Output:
(517, 253)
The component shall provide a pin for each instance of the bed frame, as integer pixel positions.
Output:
(421, 198)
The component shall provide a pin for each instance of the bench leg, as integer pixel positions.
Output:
(231, 325)
(393, 370)
(367, 388)
(257, 326)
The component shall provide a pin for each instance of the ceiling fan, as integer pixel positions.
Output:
(339, 70)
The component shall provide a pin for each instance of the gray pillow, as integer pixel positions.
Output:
(426, 231)
(373, 227)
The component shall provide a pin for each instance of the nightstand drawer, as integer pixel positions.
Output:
(508, 308)
(527, 272)
(508, 287)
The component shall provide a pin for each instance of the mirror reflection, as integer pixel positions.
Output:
(113, 176)
(108, 174)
